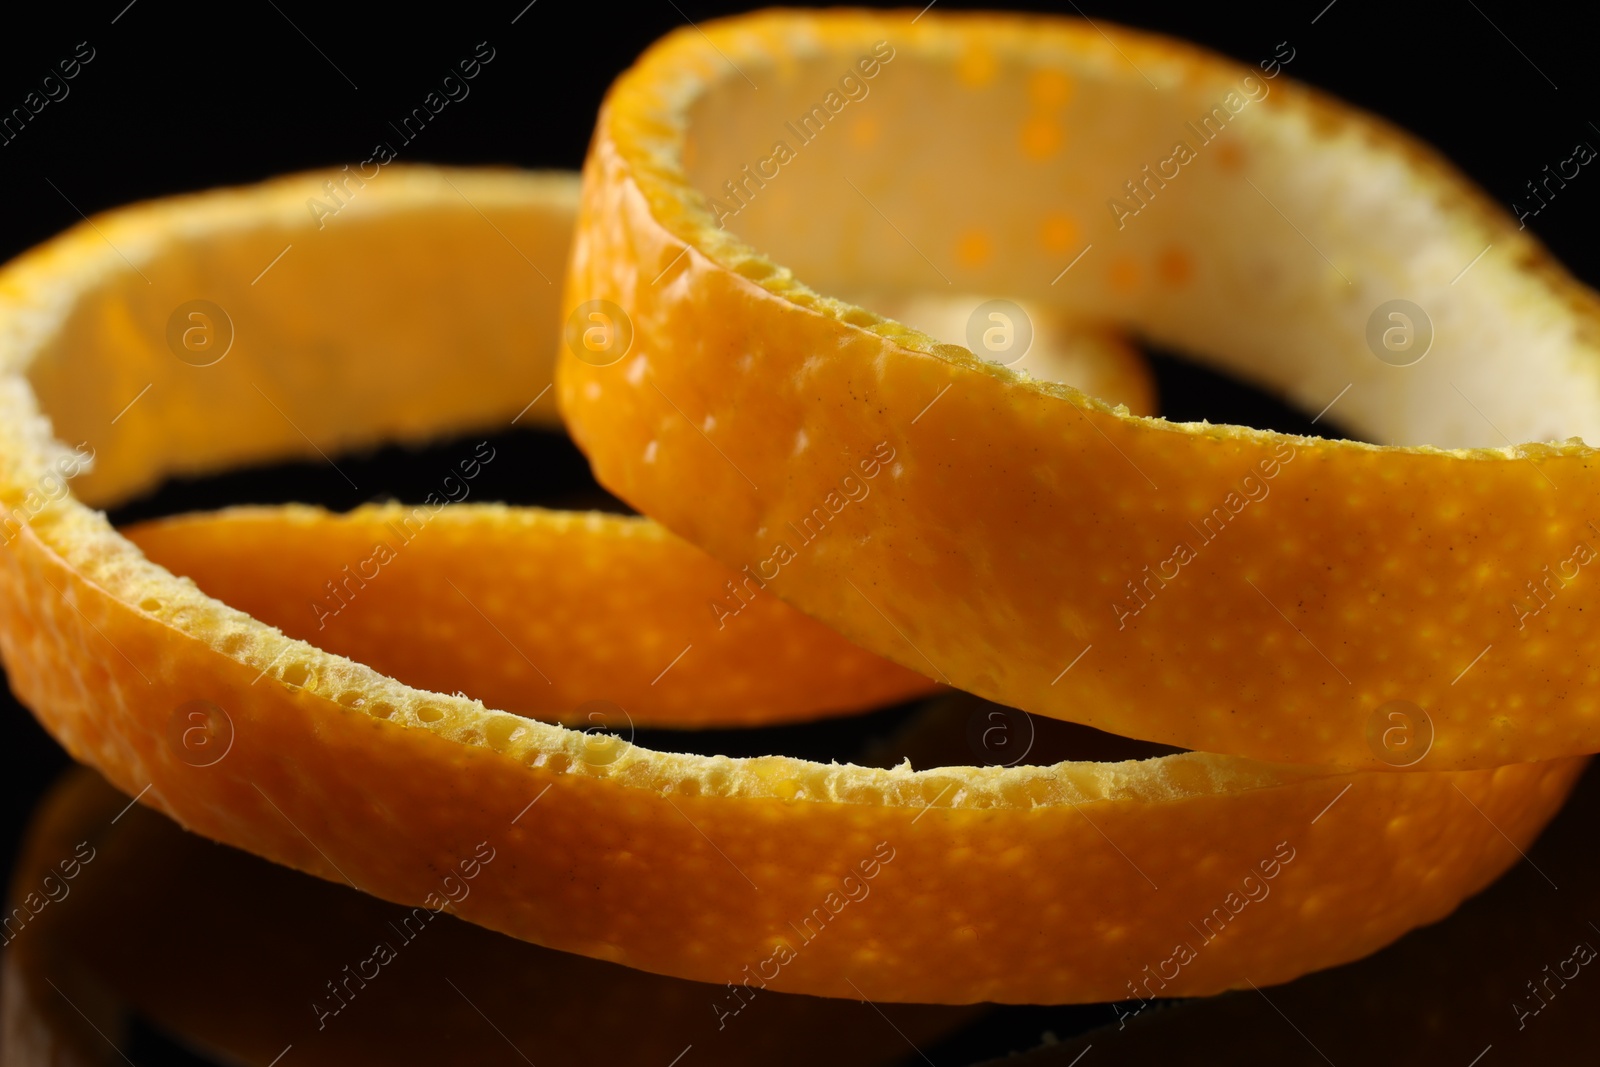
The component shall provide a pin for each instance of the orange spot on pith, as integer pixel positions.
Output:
(864, 133)
(1041, 137)
(975, 248)
(1123, 274)
(976, 67)
(1175, 266)
(1058, 232)
(1049, 88)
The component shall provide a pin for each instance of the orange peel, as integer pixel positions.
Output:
(933, 886)
(1230, 589)
(585, 618)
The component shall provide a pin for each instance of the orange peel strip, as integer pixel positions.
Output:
(585, 618)
(694, 866)
(1242, 591)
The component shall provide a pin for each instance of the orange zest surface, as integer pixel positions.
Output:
(1229, 589)
(588, 619)
(889, 884)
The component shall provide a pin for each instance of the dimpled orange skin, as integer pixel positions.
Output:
(1018, 517)
(1022, 884)
(532, 611)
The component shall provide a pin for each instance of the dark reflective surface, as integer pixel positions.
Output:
(163, 939)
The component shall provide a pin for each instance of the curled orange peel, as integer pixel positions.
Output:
(1227, 589)
(839, 880)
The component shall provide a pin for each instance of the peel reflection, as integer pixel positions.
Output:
(241, 960)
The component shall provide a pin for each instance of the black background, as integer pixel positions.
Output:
(182, 97)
